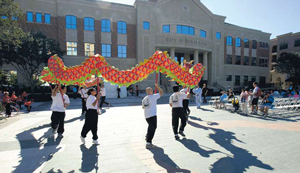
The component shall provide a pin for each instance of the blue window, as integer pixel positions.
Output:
(122, 27)
(218, 35)
(89, 24)
(187, 30)
(106, 50)
(146, 25)
(203, 33)
(29, 17)
(229, 41)
(122, 52)
(237, 42)
(105, 25)
(4, 17)
(71, 22)
(246, 43)
(47, 18)
(176, 59)
(166, 28)
(38, 17)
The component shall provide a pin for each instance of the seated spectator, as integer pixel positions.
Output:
(276, 94)
(223, 99)
(296, 95)
(19, 101)
(267, 103)
(28, 105)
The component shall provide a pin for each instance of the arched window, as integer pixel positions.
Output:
(237, 42)
(89, 24)
(71, 22)
(122, 27)
(229, 41)
(105, 25)
(274, 49)
(246, 43)
(254, 44)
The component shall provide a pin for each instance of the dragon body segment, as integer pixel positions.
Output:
(97, 65)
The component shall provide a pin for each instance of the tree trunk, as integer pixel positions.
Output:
(32, 90)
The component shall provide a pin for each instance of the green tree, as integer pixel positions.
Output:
(10, 31)
(289, 64)
(30, 56)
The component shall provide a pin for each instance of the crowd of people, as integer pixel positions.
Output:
(12, 103)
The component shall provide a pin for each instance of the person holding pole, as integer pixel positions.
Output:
(149, 106)
(91, 117)
(60, 101)
(83, 92)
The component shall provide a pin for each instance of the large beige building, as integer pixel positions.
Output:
(126, 35)
(280, 46)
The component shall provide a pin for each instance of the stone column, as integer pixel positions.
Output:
(205, 76)
(196, 56)
(172, 52)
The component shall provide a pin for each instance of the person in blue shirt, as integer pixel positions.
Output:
(268, 100)
(223, 99)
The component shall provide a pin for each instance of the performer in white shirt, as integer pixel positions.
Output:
(60, 101)
(198, 93)
(185, 102)
(149, 105)
(91, 117)
(83, 92)
(103, 96)
(175, 102)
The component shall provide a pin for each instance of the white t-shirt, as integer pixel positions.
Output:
(255, 91)
(176, 99)
(184, 91)
(149, 104)
(103, 92)
(89, 102)
(58, 104)
(83, 93)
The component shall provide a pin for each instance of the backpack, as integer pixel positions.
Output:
(258, 93)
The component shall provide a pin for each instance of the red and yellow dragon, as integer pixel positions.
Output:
(57, 72)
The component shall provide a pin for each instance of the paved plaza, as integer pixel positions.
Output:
(217, 141)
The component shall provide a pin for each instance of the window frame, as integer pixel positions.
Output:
(168, 29)
(236, 60)
(72, 48)
(202, 33)
(71, 25)
(246, 57)
(89, 24)
(228, 41)
(38, 16)
(237, 42)
(185, 30)
(106, 53)
(122, 53)
(46, 18)
(27, 16)
(104, 25)
(122, 27)
(146, 25)
(235, 80)
(229, 76)
(89, 51)
(253, 58)
(254, 44)
(297, 43)
(227, 58)
(218, 34)
(246, 43)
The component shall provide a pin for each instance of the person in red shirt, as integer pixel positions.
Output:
(6, 104)
(13, 98)
(19, 101)
(24, 96)
(28, 105)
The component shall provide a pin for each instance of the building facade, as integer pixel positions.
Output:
(126, 35)
(280, 46)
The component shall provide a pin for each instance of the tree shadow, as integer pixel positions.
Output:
(89, 158)
(35, 152)
(194, 146)
(241, 159)
(206, 110)
(210, 123)
(166, 162)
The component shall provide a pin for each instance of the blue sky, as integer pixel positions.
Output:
(273, 16)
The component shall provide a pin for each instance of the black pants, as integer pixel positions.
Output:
(91, 123)
(8, 109)
(186, 108)
(152, 124)
(58, 119)
(204, 99)
(28, 108)
(20, 105)
(176, 114)
(118, 94)
(137, 92)
(83, 110)
(103, 101)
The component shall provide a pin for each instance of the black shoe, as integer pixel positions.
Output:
(182, 134)
(177, 137)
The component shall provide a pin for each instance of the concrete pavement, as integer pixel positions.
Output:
(217, 141)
